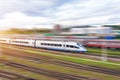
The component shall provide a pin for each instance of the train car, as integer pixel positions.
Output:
(103, 43)
(60, 45)
(5, 40)
(23, 42)
(47, 44)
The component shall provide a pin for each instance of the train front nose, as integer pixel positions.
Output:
(83, 49)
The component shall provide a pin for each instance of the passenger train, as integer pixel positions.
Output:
(112, 44)
(47, 44)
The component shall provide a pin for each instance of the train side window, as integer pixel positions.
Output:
(76, 47)
(26, 42)
(71, 46)
(60, 45)
(51, 44)
(44, 43)
(67, 45)
(56, 44)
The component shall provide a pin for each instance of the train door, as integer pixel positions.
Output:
(34, 43)
(64, 45)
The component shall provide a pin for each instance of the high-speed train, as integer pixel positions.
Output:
(47, 44)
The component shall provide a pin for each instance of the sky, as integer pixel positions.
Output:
(46, 13)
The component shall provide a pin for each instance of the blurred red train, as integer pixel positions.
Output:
(115, 44)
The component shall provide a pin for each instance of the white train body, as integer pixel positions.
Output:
(53, 45)
(23, 42)
(5, 40)
(60, 45)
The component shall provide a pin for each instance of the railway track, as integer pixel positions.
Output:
(57, 75)
(67, 53)
(13, 76)
(109, 56)
(38, 58)
(86, 55)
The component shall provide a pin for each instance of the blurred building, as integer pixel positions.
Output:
(116, 32)
(89, 30)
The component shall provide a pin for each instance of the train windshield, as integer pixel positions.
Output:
(79, 45)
